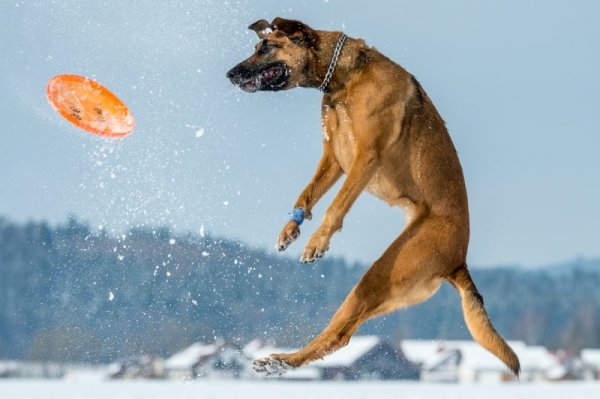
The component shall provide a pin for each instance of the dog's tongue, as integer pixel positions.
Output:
(255, 83)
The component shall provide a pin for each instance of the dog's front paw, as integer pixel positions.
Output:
(315, 248)
(270, 366)
(289, 234)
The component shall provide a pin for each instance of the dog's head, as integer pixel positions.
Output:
(281, 59)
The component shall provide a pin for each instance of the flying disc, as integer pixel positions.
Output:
(90, 106)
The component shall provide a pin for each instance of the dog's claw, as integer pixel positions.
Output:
(310, 255)
(290, 233)
(313, 251)
(271, 367)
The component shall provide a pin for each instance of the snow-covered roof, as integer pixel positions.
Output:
(258, 349)
(476, 357)
(356, 348)
(473, 355)
(421, 352)
(591, 357)
(536, 357)
(190, 356)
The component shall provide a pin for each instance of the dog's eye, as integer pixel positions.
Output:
(266, 47)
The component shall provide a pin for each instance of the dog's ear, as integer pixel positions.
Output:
(297, 31)
(261, 27)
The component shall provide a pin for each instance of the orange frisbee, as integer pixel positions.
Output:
(90, 106)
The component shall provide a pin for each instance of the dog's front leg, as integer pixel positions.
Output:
(327, 173)
(363, 168)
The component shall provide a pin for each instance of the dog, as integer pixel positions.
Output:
(380, 130)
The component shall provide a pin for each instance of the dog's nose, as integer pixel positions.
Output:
(239, 73)
(231, 73)
(236, 74)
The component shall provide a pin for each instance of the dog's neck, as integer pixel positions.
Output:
(346, 63)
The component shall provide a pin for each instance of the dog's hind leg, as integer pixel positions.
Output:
(407, 273)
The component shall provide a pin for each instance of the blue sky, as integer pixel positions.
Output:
(516, 81)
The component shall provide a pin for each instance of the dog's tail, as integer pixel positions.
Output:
(478, 322)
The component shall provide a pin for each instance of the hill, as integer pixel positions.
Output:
(67, 293)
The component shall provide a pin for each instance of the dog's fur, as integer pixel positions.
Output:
(382, 131)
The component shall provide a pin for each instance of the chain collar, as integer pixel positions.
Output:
(333, 63)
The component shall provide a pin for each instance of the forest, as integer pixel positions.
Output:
(68, 293)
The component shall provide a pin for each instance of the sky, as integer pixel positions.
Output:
(516, 81)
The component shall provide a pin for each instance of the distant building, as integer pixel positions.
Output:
(258, 349)
(133, 367)
(218, 360)
(437, 362)
(591, 360)
(538, 364)
(53, 370)
(32, 369)
(365, 357)
(9, 368)
(467, 361)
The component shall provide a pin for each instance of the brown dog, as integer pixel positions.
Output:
(380, 129)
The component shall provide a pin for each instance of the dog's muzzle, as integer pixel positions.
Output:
(270, 77)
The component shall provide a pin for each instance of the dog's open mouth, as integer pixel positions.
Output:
(270, 77)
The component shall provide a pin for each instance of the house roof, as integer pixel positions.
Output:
(422, 352)
(476, 357)
(191, 355)
(536, 357)
(258, 349)
(356, 348)
(591, 357)
(473, 355)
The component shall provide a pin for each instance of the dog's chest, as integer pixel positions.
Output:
(337, 129)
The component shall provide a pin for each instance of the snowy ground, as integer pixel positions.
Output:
(33, 389)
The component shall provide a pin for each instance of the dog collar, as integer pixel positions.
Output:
(333, 63)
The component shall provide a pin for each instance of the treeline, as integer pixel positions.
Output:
(70, 294)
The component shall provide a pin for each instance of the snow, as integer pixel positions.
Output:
(199, 132)
(356, 348)
(536, 357)
(478, 364)
(420, 352)
(190, 356)
(591, 357)
(473, 355)
(32, 389)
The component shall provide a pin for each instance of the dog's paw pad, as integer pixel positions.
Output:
(271, 367)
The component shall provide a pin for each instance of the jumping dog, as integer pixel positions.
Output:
(383, 132)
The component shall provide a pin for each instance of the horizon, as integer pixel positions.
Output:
(208, 234)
